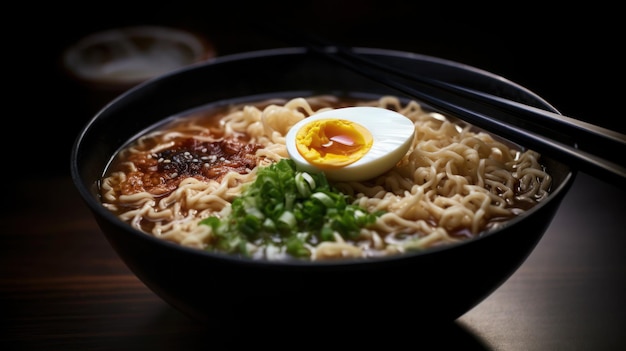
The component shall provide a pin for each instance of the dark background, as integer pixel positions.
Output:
(570, 56)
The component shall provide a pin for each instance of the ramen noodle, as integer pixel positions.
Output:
(454, 183)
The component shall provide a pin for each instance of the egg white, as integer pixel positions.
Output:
(393, 135)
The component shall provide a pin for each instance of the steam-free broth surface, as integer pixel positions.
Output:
(188, 180)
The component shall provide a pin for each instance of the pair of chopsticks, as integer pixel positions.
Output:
(586, 147)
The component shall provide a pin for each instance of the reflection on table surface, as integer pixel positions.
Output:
(63, 286)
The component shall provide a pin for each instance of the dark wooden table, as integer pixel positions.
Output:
(63, 287)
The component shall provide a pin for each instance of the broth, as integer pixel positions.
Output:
(454, 184)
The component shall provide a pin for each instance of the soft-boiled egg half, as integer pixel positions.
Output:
(351, 143)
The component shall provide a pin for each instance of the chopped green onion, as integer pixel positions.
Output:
(324, 199)
(288, 218)
(286, 208)
(304, 183)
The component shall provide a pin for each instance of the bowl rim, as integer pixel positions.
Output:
(97, 207)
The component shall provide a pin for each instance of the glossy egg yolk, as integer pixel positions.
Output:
(350, 143)
(333, 143)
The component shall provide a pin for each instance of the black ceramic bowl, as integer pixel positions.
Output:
(436, 285)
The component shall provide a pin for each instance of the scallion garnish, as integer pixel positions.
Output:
(287, 208)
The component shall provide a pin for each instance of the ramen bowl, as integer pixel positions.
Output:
(434, 285)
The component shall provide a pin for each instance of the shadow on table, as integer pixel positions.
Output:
(315, 331)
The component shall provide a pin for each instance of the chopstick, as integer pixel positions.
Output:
(549, 133)
(597, 136)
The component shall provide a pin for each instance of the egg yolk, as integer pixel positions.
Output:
(333, 143)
